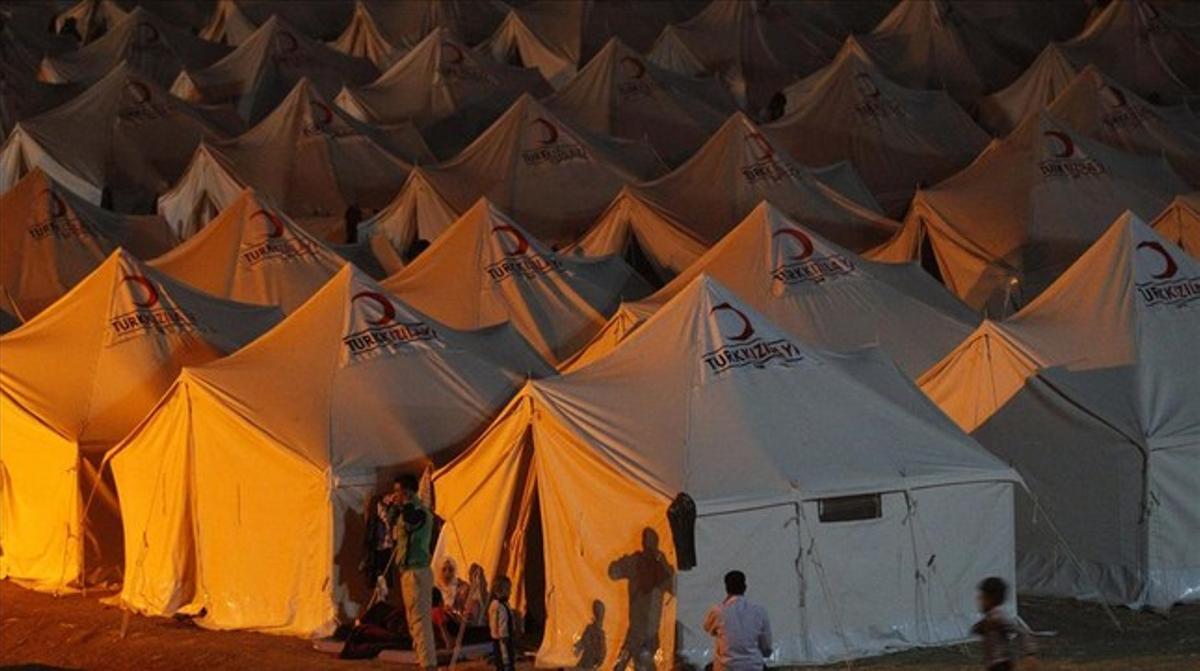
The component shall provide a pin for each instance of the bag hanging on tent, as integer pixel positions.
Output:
(681, 515)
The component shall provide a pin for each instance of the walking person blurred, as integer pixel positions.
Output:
(1007, 645)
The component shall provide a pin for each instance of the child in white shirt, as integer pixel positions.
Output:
(500, 622)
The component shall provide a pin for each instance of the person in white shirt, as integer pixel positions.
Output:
(501, 624)
(741, 629)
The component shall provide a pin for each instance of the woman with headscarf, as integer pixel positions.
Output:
(459, 601)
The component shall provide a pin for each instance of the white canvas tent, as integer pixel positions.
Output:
(23, 96)
(827, 296)
(444, 88)
(1037, 87)
(261, 72)
(208, 186)
(232, 22)
(1101, 108)
(930, 44)
(559, 36)
(417, 213)
(227, 25)
(75, 380)
(124, 133)
(767, 435)
(1023, 28)
(620, 93)
(551, 176)
(487, 269)
(1131, 41)
(411, 21)
(1098, 374)
(252, 253)
(372, 254)
(895, 137)
(243, 492)
(151, 45)
(742, 165)
(51, 239)
(92, 18)
(1180, 223)
(365, 39)
(842, 18)
(24, 40)
(192, 15)
(642, 233)
(313, 161)
(1008, 224)
(756, 49)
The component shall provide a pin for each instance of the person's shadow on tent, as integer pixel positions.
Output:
(650, 579)
(592, 646)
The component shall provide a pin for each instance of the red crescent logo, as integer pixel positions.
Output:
(522, 242)
(551, 134)
(55, 204)
(139, 91)
(760, 143)
(285, 43)
(323, 115)
(147, 34)
(806, 244)
(636, 69)
(865, 85)
(747, 328)
(385, 305)
(1116, 97)
(451, 53)
(151, 292)
(1068, 147)
(274, 223)
(1171, 267)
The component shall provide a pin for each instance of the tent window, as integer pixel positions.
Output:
(850, 508)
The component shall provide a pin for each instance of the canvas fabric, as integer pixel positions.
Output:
(363, 387)
(576, 443)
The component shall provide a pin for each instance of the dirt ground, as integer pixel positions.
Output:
(74, 632)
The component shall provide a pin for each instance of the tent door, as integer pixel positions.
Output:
(534, 582)
(637, 258)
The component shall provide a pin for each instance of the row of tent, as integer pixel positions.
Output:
(63, 237)
(969, 48)
(557, 163)
(1000, 230)
(670, 241)
(220, 420)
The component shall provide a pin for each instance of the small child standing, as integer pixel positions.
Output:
(1007, 645)
(500, 622)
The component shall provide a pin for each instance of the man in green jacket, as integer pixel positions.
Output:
(413, 529)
